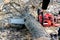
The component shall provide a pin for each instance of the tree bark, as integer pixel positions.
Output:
(36, 29)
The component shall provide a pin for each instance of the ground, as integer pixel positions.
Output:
(14, 34)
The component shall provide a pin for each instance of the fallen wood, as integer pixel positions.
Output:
(35, 28)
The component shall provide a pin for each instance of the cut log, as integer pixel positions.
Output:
(36, 29)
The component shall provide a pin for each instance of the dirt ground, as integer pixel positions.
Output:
(14, 34)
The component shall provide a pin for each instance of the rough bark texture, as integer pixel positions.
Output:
(36, 29)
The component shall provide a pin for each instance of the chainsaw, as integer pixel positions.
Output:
(48, 19)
